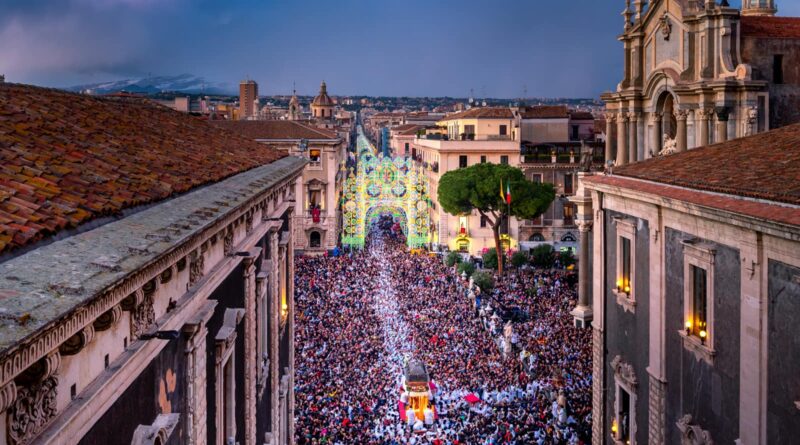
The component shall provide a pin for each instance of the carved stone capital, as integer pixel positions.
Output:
(656, 117)
(584, 226)
(705, 113)
(611, 117)
(633, 116)
(681, 115)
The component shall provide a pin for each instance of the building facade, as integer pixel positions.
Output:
(138, 307)
(699, 72)
(478, 135)
(693, 295)
(248, 99)
(317, 214)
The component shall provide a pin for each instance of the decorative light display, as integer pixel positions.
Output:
(383, 185)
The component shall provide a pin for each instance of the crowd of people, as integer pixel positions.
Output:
(362, 314)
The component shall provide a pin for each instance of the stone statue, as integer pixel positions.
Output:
(670, 146)
(586, 158)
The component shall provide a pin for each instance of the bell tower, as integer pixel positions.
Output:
(759, 8)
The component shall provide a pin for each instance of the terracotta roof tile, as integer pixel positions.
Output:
(482, 113)
(765, 166)
(67, 158)
(275, 130)
(771, 27)
(737, 205)
(545, 112)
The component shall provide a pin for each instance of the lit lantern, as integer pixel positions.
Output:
(627, 289)
(614, 428)
(619, 284)
(688, 327)
(703, 335)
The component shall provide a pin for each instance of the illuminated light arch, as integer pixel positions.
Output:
(385, 185)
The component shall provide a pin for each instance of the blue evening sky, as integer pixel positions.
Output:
(554, 48)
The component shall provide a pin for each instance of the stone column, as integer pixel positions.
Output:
(196, 396)
(622, 139)
(583, 312)
(656, 410)
(582, 199)
(657, 136)
(722, 124)
(681, 116)
(598, 383)
(274, 329)
(290, 330)
(251, 359)
(704, 116)
(611, 120)
(633, 150)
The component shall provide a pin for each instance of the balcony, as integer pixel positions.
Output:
(560, 153)
(483, 137)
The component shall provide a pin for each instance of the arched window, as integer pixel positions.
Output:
(568, 238)
(314, 239)
(536, 237)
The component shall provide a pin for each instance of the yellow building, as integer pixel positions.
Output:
(478, 135)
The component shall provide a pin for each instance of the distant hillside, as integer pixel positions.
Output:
(184, 83)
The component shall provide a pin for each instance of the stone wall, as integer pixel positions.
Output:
(784, 98)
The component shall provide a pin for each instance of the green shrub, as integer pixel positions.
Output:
(469, 268)
(519, 259)
(483, 280)
(566, 258)
(543, 256)
(452, 259)
(490, 259)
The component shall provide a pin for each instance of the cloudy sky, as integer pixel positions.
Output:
(499, 48)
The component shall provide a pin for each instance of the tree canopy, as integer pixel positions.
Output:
(477, 188)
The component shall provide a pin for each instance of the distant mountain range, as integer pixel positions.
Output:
(184, 83)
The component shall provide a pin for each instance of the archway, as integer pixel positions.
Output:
(381, 184)
(314, 239)
(536, 238)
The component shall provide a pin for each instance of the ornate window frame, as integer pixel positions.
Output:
(625, 228)
(701, 255)
(624, 379)
(691, 433)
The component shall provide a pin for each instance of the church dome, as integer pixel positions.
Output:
(322, 99)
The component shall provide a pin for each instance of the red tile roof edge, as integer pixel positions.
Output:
(776, 212)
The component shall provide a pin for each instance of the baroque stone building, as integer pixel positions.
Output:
(695, 277)
(699, 72)
(145, 274)
(317, 214)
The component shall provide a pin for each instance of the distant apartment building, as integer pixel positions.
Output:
(478, 135)
(316, 213)
(248, 96)
(553, 138)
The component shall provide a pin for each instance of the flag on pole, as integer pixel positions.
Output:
(502, 195)
(508, 193)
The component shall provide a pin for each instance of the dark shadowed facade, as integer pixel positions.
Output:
(696, 294)
(146, 276)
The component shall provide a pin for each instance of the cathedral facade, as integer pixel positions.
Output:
(698, 72)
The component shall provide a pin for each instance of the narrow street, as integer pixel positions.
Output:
(362, 316)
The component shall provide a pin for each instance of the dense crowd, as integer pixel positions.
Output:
(361, 314)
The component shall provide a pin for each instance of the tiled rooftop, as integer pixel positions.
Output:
(764, 166)
(66, 159)
(275, 130)
(771, 27)
(482, 113)
(545, 112)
